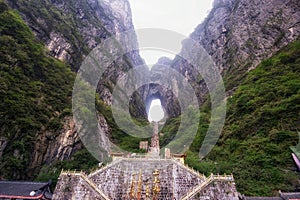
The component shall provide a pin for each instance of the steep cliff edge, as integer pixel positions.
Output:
(70, 29)
(239, 34)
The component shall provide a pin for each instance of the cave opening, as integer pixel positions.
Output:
(155, 112)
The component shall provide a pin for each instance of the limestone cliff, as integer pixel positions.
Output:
(238, 34)
(154, 90)
(70, 29)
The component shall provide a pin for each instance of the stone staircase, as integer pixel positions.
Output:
(133, 178)
(175, 179)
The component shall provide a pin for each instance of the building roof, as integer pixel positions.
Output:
(282, 196)
(25, 190)
(290, 195)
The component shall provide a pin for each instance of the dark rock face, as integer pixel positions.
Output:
(162, 92)
(50, 147)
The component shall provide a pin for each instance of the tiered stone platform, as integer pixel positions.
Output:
(133, 178)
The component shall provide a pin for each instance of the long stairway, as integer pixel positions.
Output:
(175, 178)
(123, 177)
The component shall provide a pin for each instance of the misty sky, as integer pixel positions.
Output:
(176, 15)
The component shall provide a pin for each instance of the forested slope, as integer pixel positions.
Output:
(262, 123)
(35, 92)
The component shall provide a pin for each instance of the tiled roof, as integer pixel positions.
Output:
(290, 195)
(282, 196)
(23, 189)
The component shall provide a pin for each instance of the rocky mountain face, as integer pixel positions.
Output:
(71, 29)
(154, 90)
(238, 35)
